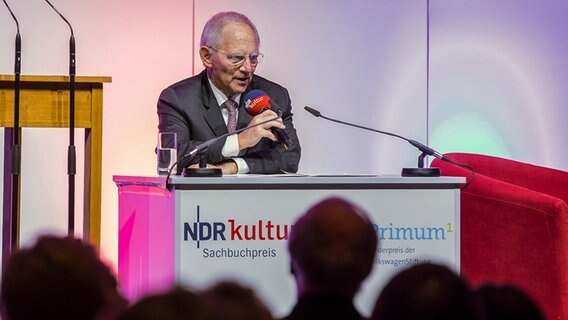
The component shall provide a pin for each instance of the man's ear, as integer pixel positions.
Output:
(206, 57)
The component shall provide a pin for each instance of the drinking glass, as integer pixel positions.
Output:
(167, 152)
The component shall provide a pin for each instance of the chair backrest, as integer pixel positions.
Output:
(542, 179)
(514, 227)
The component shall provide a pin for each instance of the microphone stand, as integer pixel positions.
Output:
(16, 154)
(202, 171)
(71, 155)
(406, 172)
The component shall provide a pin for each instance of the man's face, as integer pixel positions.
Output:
(236, 40)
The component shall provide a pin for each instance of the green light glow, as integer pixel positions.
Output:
(468, 132)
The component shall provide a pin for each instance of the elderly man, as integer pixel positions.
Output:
(332, 248)
(210, 104)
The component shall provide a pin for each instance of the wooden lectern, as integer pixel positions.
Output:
(44, 103)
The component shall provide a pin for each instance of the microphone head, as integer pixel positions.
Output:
(256, 101)
(313, 111)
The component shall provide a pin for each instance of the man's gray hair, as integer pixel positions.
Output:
(210, 37)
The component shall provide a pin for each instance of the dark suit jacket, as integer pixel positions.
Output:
(190, 109)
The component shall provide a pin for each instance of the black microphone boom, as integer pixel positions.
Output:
(406, 172)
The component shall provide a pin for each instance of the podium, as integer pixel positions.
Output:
(236, 227)
(44, 103)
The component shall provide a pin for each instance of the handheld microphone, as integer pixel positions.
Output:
(200, 148)
(258, 101)
(406, 172)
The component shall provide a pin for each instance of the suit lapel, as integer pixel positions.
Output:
(211, 110)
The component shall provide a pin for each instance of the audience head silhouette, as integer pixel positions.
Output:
(236, 302)
(332, 248)
(59, 278)
(425, 292)
(507, 303)
(176, 304)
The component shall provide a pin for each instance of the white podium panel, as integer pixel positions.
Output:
(236, 228)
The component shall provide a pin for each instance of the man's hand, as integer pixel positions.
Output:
(251, 137)
(227, 166)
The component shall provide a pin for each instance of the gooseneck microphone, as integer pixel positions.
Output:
(198, 150)
(16, 156)
(406, 172)
(258, 101)
(71, 155)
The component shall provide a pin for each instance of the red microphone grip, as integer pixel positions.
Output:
(258, 105)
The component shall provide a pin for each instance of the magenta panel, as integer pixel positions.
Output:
(146, 244)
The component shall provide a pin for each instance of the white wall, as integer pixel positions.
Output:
(144, 45)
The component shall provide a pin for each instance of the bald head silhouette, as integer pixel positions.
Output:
(332, 248)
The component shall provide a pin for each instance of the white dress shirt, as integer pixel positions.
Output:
(231, 146)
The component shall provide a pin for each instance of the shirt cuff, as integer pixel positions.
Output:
(242, 166)
(231, 147)
(231, 150)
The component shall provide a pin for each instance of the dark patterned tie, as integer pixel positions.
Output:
(231, 106)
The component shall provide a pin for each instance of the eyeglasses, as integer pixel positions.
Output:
(239, 59)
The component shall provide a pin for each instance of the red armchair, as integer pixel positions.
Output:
(514, 227)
